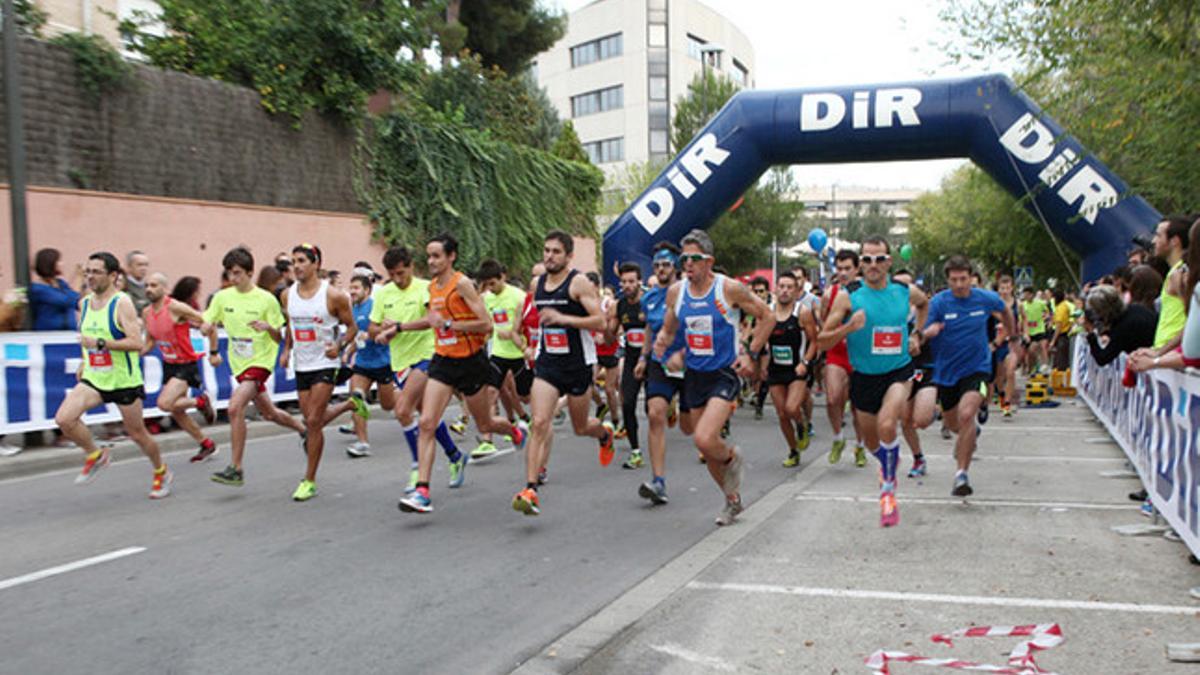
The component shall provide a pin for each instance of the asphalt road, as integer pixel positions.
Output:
(246, 581)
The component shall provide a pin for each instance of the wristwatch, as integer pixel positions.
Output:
(101, 343)
(214, 352)
(446, 324)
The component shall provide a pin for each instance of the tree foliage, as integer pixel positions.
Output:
(509, 33)
(974, 216)
(869, 222)
(30, 17)
(567, 145)
(323, 55)
(742, 236)
(98, 66)
(1123, 77)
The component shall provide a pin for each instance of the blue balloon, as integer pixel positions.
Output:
(817, 239)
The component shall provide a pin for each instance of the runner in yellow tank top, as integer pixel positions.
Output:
(110, 338)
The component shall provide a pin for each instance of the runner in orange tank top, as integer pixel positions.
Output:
(461, 325)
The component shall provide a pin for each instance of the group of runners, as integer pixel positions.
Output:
(692, 339)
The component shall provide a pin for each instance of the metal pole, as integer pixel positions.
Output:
(16, 149)
(704, 86)
(774, 261)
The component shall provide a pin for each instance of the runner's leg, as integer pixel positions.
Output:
(79, 400)
(172, 399)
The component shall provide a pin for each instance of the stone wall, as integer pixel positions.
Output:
(175, 135)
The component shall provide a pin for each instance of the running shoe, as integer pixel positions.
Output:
(161, 487)
(230, 476)
(725, 430)
(413, 477)
(946, 432)
(889, 511)
(415, 502)
(360, 405)
(792, 460)
(803, 437)
(485, 449)
(634, 461)
(982, 415)
(93, 465)
(602, 411)
(560, 417)
(304, 442)
(835, 453)
(962, 486)
(758, 412)
(305, 491)
(358, 449)
(810, 430)
(1148, 508)
(729, 514)
(543, 476)
(622, 432)
(347, 429)
(606, 445)
(731, 482)
(205, 406)
(654, 491)
(205, 453)
(1139, 496)
(1008, 413)
(860, 456)
(459, 427)
(458, 470)
(521, 437)
(526, 501)
(918, 469)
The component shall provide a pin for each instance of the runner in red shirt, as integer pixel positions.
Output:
(607, 362)
(837, 368)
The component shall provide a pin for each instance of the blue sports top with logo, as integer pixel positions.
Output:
(710, 327)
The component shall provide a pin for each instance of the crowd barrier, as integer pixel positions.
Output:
(39, 370)
(1156, 423)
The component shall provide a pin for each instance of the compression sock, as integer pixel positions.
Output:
(411, 434)
(447, 443)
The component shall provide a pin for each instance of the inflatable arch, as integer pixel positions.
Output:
(982, 118)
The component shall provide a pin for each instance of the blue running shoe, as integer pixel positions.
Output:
(416, 503)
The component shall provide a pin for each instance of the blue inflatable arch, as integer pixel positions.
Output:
(983, 118)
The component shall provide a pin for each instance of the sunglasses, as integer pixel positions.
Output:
(694, 257)
(664, 263)
(873, 259)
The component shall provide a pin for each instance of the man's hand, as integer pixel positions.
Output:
(932, 330)
(550, 317)
(858, 320)
(331, 350)
(801, 369)
(676, 361)
(260, 325)
(87, 341)
(744, 365)
(215, 360)
(639, 370)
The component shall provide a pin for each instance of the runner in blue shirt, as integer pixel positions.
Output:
(706, 308)
(877, 337)
(963, 361)
(372, 363)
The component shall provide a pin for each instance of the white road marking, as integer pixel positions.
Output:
(1037, 603)
(487, 458)
(693, 657)
(69, 567)
(985, 457)
(1013, 428)
(958, 501)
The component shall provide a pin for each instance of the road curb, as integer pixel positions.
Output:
(45, 460)
(572, 649)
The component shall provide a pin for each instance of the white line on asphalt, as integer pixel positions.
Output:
(69, 567)
(489, 457)
(692, 657)
(983, 456)
(994, 428)
(1039, 603)
(947, 501)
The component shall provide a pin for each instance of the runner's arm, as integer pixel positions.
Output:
(149, 341)
(482, 323)
(808, 323)
(339, 303)
(666, 334)
(585, 294)
(834, 330)
(751, 304)
(127, 319)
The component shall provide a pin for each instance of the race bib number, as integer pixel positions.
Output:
(167, 349)
(243, 348)
(700, 335)
(635, 337)
(500, 316)
(1032, 324)
(445, 336)
(304, 332)
(919, 375)
(100, 361)
(782, 355)
(556, 341)
(887, 340)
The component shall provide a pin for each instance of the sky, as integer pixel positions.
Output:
(813, 43)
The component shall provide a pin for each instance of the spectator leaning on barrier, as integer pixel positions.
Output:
(1145, 283)
(1125, 327)
(1184, 350)
(137, 267)
(52, 298)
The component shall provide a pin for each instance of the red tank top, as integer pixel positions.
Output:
(530, 324)
(838, 355)
(173, 339)
(603, 349)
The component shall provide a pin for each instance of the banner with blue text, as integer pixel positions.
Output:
(1156, 423)
(39, 370)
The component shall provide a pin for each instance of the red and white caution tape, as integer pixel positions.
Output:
(1020, 661)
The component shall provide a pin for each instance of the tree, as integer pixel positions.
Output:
(323, 55)
(1123, 77)
(743, 235)
(508, 33)
(869, 222)
(973, 216)
(30, 18)
(705, 96)
(567, 145)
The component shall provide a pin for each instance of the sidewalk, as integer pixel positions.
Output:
(809, 583)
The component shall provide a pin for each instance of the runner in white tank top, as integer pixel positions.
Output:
(314, 310)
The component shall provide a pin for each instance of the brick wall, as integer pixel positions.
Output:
(174, 135)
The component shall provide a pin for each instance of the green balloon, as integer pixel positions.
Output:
(906, 252)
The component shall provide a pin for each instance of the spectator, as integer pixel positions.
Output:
(1145, 283)
(270, 279)
(1122, 276)
(1185, 349)
(53, 299)
(187, 290)
(1138, 256)
(1128, 327)
(1171, 244)
(283, 263)
(137, 266)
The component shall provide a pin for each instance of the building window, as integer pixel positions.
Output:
(597, 50)
(598, 101)
(658, 142)
(656, 35)
(695, 44)
(739, 74)
(658, 88)
(606, 150)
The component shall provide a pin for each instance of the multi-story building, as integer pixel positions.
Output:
(832, 204)
(623, 63)
(92, 17)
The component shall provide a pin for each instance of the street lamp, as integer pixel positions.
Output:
(705, 51)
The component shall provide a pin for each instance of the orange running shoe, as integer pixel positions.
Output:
(607, 452)
(889, 511)
(92, 466)
(526, 501)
